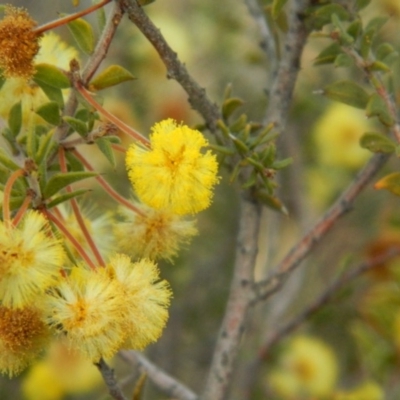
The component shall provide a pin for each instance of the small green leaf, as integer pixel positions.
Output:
(322, 15)
(370, 31)
(347, 92)
(7, 162)
(360, 4)
(15, 119)
(60, 180)
(390, 182)
(377, 143)
(230, 105)
(271, 201)
(46, 144)
(83, 34)
(77, 125)
(355, 29)
(51, 75)
(50, 112)
(73, 162)
(383, 51)
(65, 197)
(343, 60)
(277, 6)
(239, 124)
(105, 147)
(52, 93)
(376, 107)
(111, 76)
(328, 55)
(282, 163)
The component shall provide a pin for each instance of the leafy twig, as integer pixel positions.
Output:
(175, 68)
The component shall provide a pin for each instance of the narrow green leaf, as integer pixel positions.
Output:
(65, 197)
(45, 145)
(83, 34)
(282, 163)
(271, 201)
(328, 55)
(343, 60)
(239, 124)
(376, 107)
(360, 4)
(230, 105)
(51, 75)
(390, 182)
(104, 146)
(53, 94)
(377, 143)
(77, 125)
(277, 6)
(50, 112)
(7, 162)
(15, 119)
(60, 180)
(355, 29)
(73, 162)
(111, 76)
(347, 92)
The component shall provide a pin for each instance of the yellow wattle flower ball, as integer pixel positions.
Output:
(153, 234)
(173, 173)
(308, 366)
(146, 299)
(30, 260)
(87, 307)
(23, 336)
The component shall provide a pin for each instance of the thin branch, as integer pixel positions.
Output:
(175, 68)
(303, 247)
(108, 376)
(235, 318)
(166, 383)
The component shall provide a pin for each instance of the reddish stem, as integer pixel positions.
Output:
(78, 214)
(112, 118)
(60, 225)
(68, 18)
(22, 210)
(106, 186)
(7, 195)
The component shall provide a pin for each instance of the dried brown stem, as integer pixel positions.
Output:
(175, 68)
(303, 247)
(164, 382)
(108, 376)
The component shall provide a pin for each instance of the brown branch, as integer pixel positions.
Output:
(296, 255)
(325, 297)
(175, 68)
(167, 384)
(108, 376)
(235, 318)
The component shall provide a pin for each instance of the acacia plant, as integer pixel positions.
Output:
(104, 169)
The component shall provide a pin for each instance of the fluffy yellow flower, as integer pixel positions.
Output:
(337, 134)
(18, 43)
(308, 366)
(173, 174)
(52, 51)
(30, 260)
(146, 299)
(88, 307)
(23, 335)
(153, 234)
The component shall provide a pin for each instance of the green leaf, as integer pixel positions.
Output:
(73, 162)
(282, 163)
(61, 180)
(50, 112)
(83, 34)
(51, 75)
(343, 60)
(271, 201)
(7, 162)
(328, 55)
(105, 147)
(355, 29)
(77, 125)
(370, 31)
(390, 182)
(230, 105)
(384, 50)
(322, 15)
(376, 107)
(347, 92)
(277, 6)
(52, 93)
(360, 4)
(46, 144)
(65, 197)
(15, 119)
(111, 76)
(377, 143)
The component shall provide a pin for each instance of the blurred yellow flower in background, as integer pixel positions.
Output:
(337, 134)
(307, 367)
